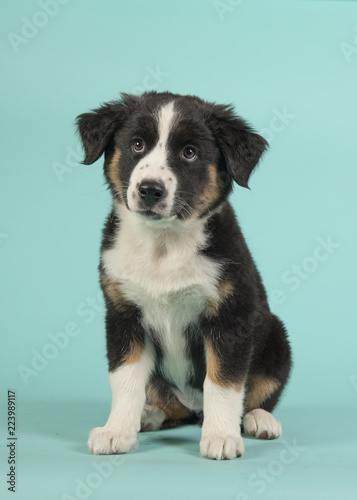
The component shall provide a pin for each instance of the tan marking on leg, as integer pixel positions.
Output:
(259, 388)
(152, 394)
(125, 308)
(213, 370)
(134, 355)
(173, 408)
(113, 173)
(113, 291)
(225, 290)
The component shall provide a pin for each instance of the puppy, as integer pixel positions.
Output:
(188, 326)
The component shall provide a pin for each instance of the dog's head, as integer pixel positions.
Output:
(169, 156)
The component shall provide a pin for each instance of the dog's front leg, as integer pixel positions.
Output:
(130, 364)
(223, 398)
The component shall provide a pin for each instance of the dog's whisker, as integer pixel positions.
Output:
(181, 204)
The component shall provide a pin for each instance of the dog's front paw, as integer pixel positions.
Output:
(108, 441)
(221, 447)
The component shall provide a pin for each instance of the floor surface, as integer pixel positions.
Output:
(316, 458)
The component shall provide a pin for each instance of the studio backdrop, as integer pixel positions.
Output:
(290, 69)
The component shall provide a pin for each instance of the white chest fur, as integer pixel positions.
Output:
(160, 269)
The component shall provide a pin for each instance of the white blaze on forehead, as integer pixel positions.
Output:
(166, 119)
(154, 165)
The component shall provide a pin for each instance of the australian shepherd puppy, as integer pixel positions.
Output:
(188, 326)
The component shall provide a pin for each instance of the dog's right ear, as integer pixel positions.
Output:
(240, 145)
(97, 128)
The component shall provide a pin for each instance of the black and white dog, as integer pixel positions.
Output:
(188, 325)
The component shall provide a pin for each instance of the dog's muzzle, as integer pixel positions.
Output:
(151, 193)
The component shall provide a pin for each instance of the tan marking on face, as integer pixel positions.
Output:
(113, 173)
(173, 408)
(210, 193)
(258, 389)
(214, 370)
(224, 291)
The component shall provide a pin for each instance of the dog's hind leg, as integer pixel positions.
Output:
(152, 418)
(165, 416)
(266, 381)
(163, 410)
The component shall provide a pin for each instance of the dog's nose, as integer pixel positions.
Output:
(151, 192)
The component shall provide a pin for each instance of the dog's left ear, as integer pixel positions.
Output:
(239, 144)
(97, 128)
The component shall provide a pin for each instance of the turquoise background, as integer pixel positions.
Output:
(296, 59)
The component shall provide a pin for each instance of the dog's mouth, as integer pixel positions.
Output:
(150, 214)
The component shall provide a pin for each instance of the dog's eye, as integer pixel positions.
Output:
(189, 153)
(138, 146)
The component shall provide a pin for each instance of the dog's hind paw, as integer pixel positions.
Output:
(261, 424)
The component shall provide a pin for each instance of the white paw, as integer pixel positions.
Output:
(151, 418)
(261, 424)
(108, 441)
(221, 447)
